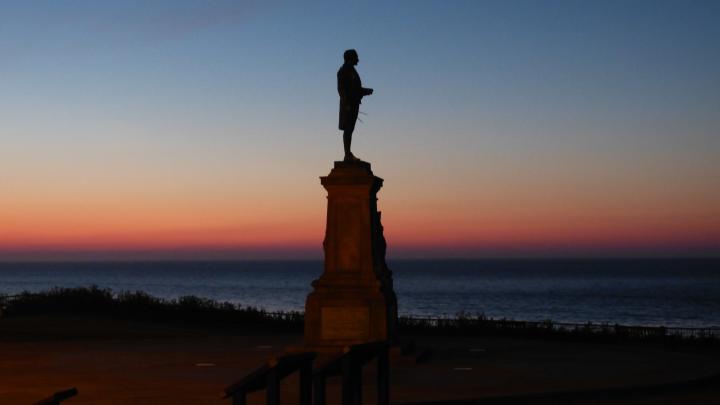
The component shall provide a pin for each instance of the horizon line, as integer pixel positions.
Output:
(306, 259)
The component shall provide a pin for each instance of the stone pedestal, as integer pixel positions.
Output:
(353, 300)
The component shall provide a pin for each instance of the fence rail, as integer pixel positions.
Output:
(505, 324)
(270, 375)
(58, 397)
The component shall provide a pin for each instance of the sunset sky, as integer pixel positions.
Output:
(198, 130)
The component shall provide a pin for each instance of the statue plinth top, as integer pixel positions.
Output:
(352, 165)
(354, 172)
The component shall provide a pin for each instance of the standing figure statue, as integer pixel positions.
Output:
(351, 93)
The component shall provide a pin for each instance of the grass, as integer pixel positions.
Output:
(138, 305)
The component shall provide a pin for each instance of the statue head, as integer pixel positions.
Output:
(351, 56)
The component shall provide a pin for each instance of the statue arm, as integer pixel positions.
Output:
(344, 85)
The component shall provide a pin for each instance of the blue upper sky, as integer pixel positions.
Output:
(472, 98)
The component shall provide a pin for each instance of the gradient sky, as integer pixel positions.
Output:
(175, 129)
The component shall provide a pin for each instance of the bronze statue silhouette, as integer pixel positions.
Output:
(351, 93)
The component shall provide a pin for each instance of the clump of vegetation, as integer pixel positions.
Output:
(138, 305)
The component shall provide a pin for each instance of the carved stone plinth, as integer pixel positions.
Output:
(353, 300)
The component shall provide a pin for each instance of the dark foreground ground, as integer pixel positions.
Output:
(124, 362)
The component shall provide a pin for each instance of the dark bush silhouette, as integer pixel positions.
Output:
(138, 305)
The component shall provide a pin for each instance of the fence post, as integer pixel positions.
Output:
(351, 381)
(347, 394)
(319, 389)
(383, 377)
(239, 398)
(273, 387)
(306, 383)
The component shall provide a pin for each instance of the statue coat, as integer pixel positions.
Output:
(351, 93)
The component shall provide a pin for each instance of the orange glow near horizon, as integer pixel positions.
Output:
(211, 226)
(269, 203)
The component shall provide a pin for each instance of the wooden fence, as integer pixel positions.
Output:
(348, 364)
(595, 328)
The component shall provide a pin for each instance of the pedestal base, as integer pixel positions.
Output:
(353, 301)
(335, 319)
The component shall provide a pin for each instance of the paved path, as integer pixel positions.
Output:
(118, 362)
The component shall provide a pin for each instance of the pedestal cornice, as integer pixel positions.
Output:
(351, 173)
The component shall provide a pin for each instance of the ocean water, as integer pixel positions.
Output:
(669, 292)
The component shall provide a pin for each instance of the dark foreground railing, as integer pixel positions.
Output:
(269, 377)
(58, 397)
(349, 365)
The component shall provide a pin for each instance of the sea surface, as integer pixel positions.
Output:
(669, 292)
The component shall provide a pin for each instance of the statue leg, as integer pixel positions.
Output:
(347, 141)
(348, 128)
